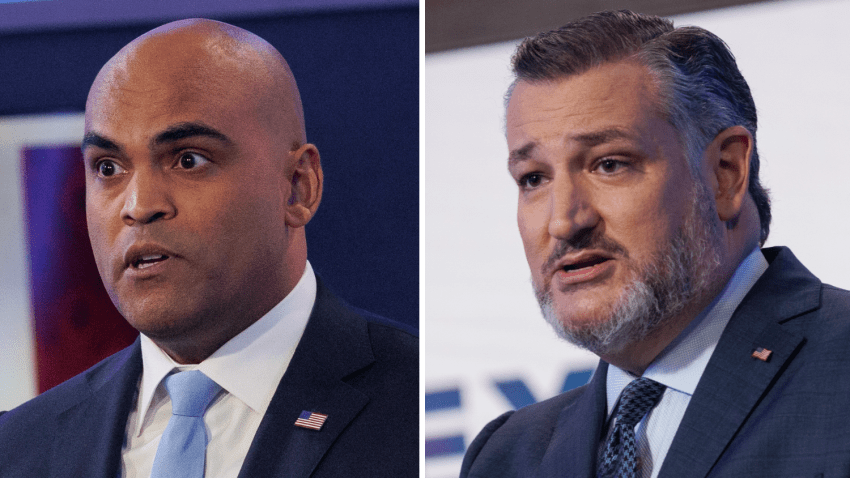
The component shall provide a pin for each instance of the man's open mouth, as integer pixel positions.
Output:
(148, 260)
(584, 264)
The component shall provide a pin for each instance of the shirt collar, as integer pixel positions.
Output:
(681, 365)
(250, 365)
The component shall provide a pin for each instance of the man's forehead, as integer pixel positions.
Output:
(142, 83)
(182, 60)
(193, 54)
(196, 70)
(139, 101)
(616, 103)
(616, 89)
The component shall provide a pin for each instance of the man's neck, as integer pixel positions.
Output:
(636, 357)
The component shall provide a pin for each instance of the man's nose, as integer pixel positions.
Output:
(147, 199)
(572, 209)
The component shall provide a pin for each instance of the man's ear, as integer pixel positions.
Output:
(729, 159)
(305, 177)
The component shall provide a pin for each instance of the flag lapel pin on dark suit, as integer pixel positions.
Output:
(311, 420)
(762, 354)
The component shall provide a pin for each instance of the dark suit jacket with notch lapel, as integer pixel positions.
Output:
(360, 370)
(787, 417)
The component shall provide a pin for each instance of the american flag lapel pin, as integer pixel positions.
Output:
(762, 354)
(311, 420)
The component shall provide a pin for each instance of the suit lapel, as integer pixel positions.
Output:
(90, 433)
(734, 382)
(335, 344)
(573, 449)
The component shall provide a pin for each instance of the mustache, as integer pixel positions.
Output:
(584, 239)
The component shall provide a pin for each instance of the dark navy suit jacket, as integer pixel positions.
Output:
(787, 417)
(360, 370)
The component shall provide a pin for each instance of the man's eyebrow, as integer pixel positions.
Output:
(187, 130)
(588, 140)
(96, 140)
(596, 138)
(521, 154)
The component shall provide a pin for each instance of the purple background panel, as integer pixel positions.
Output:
(76, 324)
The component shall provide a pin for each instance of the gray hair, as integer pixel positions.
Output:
(701, 90)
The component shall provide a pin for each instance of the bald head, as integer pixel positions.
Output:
(197, 57)
(199, 182)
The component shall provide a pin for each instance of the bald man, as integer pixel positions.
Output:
(199, 183)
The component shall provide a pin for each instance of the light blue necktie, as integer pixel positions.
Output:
(182, 450)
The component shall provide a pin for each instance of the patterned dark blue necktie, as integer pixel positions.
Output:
(620, 456)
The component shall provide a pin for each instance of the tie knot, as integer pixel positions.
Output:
(638, 398)
(191, 392)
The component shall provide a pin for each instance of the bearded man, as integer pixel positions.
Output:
(633, 147)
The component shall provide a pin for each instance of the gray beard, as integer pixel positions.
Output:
(660, 289)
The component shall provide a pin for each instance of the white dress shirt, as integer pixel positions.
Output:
(248, 367)
(681, 365)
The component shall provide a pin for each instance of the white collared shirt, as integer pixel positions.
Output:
(681, 365)
(248, 367)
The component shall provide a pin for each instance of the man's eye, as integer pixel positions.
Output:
(531, 180)
(610, 166)
(108, 168)
(191, 160)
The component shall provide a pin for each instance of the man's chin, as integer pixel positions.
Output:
(628, 319)
(585, 332)
(159, 324)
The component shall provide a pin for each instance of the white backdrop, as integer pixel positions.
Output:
(481, 322)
